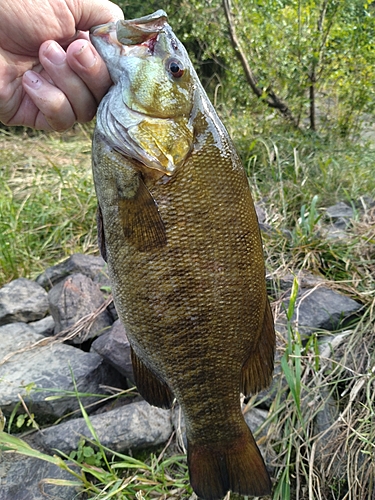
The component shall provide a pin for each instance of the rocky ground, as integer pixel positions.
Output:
(62, 329)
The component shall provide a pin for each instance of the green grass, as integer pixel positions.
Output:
(47, 201)
(47, 212)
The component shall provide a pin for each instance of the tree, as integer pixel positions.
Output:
(313, 60)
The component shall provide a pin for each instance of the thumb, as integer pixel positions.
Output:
(89, 13)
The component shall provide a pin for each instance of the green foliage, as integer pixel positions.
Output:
(306, 224)
(86, 454)
(317, 55)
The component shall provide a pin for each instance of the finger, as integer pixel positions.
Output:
(53, 58)
(85, 61)
(51, 102)
(12, 68)
(29, 115)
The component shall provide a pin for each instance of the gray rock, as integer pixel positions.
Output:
(72, 299)
(20, 479)
(322, 308)
(22, 300)
(341, 223)
(334, 233)
(114, 347)
(328, 414)
(340, 210)
(305, 280)
(365, 203)
(112, 310)
(16, 336)
(45, 326)
(261, 213)
(48, 366)
(136, 425)
(89, 265)
(254, 417)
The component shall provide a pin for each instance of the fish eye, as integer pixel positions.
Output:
(175, 67)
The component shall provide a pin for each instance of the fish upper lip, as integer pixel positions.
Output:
(102, 29)
(134, 32)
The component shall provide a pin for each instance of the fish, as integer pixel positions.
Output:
(179, 232)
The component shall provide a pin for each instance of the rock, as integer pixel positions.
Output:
(48, 366)
(15, 336)
(22, 300)
(322, 308)
(136, 425)
(112, 311)
(89, 265)
(332, 232)
(305, 280)
(340, 215)
(114, 347)
(72, 299)
(326, 417)
(254, 417)
(341, 223)
(45, 326)
(20, 479)
(340, 210)
(261, 213)
(365, 203)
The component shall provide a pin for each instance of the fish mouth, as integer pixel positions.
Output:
(141, 31)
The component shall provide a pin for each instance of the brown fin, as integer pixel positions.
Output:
(141, 221)
(258, 368)
(101, 238)
(153, 390)
(237, 466)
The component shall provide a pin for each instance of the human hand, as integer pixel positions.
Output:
(50, 74)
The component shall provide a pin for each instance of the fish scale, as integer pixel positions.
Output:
(184, 256)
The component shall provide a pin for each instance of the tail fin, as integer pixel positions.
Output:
(237, 466)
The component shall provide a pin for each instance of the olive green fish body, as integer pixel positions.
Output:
(181, 238)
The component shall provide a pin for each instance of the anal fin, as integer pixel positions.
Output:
(141, 221)
(258, 368)
(152, 389)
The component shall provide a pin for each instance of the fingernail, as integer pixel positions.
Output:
(85, 56)
(32, 79)
(55, 53)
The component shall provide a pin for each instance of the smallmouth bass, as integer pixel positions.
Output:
(178, 229)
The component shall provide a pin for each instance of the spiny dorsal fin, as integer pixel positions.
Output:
(141, 221)
(153, 390)
(258, 368)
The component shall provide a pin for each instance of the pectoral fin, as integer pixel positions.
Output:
(258, 368)
(140, 218)
(154, 391)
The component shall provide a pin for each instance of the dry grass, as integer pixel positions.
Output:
(327, 450)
